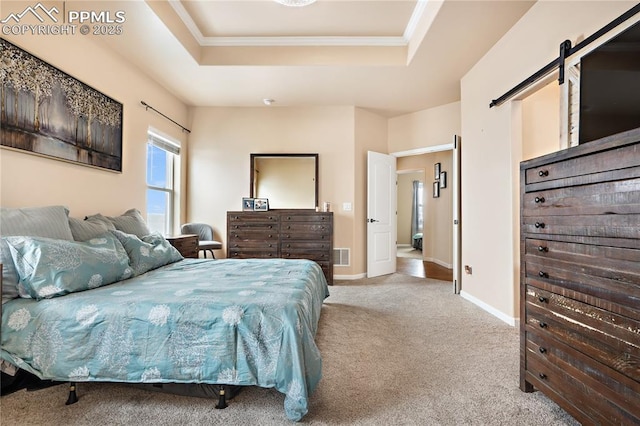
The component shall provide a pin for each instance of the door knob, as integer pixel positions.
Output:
(372, 220)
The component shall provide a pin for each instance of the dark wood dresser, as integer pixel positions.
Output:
(580, 279)
(289, 234)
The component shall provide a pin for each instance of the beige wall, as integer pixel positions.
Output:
(541, 122)
(29, 180)
(222, 139)
(492, 140)
(429, 127)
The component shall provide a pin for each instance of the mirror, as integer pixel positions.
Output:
(289, 181)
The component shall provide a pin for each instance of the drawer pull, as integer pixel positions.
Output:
(543, 299)
(539, 225)
(542, 376)
(542, 350)
(543, 325)
(543, 249)
(539, 200)
(543, 274)
(543, 173)
(270, 236)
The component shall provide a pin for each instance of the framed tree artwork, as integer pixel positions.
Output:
(49, 113)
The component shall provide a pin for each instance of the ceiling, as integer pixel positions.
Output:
(389, 56)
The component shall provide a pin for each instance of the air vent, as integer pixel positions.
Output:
(341, 257)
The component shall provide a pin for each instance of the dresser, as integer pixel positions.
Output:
(288, 234)
(580, 279)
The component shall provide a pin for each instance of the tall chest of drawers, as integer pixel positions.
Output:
(288, 234)
(580, 279)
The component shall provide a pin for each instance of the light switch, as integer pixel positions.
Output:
(346, 207)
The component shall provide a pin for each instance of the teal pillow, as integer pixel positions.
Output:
(49, 267)
(130, 222)
(150, 252)
(48, 221)
(84, 230)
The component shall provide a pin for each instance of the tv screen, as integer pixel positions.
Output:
(610, 87)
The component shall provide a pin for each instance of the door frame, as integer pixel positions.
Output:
(455, 182)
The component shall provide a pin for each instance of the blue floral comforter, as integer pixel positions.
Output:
(237, 322)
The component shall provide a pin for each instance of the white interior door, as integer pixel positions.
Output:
(381, 214)
(457, 232)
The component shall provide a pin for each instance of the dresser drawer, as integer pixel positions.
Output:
(613, 294)
(252, 253)
(607, 337)
(618, 197)
(318, 218)
(554, 366)
(260, 217)
(607, 225)
(305, 231)
(613, 164)
(254, 244)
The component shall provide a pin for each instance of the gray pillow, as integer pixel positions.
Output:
(84, 230)
(130, 222)
(48, 222)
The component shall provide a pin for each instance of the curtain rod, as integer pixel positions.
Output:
(149, 107)
(565, 51)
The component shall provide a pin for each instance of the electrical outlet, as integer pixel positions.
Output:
(468, 269)
(346, 207)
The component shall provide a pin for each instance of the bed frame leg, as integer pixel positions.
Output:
(222, 400)
(73, 397)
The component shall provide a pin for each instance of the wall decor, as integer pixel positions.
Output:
(436, 189)
(247, 204)
(260, 204)
(436, 171)
(49, 113)
(443, 179)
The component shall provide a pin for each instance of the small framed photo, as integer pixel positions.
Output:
(247, 204)
(436, 171)
(443, 179)
(436, 189)
(260, 204)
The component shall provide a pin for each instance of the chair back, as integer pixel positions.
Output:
(203, 230)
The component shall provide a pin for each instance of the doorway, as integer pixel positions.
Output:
(438, 169)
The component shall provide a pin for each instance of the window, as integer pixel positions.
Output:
(161, 157)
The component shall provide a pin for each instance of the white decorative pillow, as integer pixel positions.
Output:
(48, 268)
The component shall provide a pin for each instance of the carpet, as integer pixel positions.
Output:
(397, 350)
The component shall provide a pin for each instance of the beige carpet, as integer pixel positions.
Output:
(397, 350)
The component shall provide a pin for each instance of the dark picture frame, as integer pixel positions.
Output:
(436, 189)
(443, 179)
(247, 204)
(47, 112)
(260, 204)
(436, 171)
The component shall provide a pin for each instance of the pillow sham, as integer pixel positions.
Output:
(150, 252)
(48, 268)
(130, 222)
(48, 221)
(84, 230)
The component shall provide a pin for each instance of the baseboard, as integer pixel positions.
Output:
(403, 245)
(438, 262)
(349, 277)
(493, 311)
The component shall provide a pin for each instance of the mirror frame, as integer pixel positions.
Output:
(284, 155)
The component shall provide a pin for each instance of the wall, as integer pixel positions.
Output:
(29, 180)
(429, 127)
(541, 122)
(492, 138)
(223, 138)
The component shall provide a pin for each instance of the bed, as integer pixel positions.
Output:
(228, 321)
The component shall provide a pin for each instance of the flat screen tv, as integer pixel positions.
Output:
(610, 87)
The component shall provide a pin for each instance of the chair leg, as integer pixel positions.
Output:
(213, 255)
